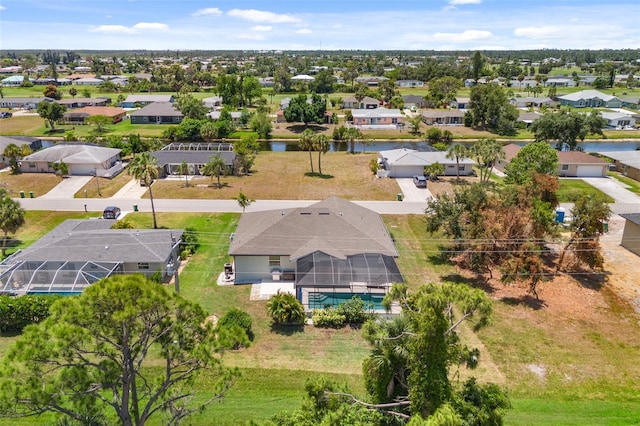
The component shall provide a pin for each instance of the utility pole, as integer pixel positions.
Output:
(95, 173)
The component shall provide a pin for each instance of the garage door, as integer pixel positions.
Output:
(589, 171)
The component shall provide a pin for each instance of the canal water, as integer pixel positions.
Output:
(588, 146)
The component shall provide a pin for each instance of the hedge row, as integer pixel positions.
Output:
(18, 312)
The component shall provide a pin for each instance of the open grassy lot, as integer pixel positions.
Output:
(286, 175)
(21, 125)
(38, 183)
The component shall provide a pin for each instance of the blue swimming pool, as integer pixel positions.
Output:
(322, 300)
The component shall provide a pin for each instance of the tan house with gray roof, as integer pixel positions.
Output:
(333, 249)
(83, 160)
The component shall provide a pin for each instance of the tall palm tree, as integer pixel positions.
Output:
(144, 167)
(320, 144)
(306, 143)
(11, 218)
(457, 152)
(352, 135)
(215, 167)
(183, 169)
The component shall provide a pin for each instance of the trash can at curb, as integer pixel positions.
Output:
(135, 207)
(605, 226)
(399, 196)
(21, 194)
(30, 194)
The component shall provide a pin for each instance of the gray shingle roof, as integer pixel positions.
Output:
(93, 240)
(334, 226)
(632, 217)
(163, 109)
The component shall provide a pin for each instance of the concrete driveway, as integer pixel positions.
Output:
(615, 189)
(411, 192)
(67, 187)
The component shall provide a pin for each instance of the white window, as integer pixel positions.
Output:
(274, 260)
(564, 167)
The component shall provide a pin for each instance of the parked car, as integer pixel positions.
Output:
(111, 212)
(420, 181)
(5, 114)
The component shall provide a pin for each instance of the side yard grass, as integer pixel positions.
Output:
(632, 184)
(571, 189)
(560, 366)
(108, 187)
(38, 183)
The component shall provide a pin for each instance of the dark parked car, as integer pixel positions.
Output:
(5, 114)
(420, 181)
(111, 212)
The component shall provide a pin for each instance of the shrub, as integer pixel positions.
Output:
(353, 311)
(234, 329)
(18, 312)
(156, 277)
(189, 240)
(284, 308)
(184, 254)
(236, 317)
(329, 317)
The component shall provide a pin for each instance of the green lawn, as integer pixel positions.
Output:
(632, 184)
(592, 376)
(571, 189)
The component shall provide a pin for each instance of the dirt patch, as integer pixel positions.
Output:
(448, 184)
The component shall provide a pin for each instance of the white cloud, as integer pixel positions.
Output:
(263, 28)
(457, 2)
(112, 29)
(304, 31)
(140, 26)
(151, 26)
(468, 35)
(2, 7)
(549, 31)
(208, 11)
(262, 16)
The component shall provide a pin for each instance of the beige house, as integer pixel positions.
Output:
(631, 233)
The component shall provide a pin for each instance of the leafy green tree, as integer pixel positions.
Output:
(261, 124)
(487, 152)
(208, 131)
(88, 357)
(215, 167)
(251, 89)
(567, 127)
(73, 92)
(457, 152)
(191, 107)
(285, 309)
(246, 150)
(323, 82)
(144, 167)
(183, 169)
(52, 112)
(11, 219)
(234, 329)
(491, 109)
(589, 214)
(415, 122)
(443, 90)
(13, 152)
(189, 129)
(99, 121)
(299, 110)
(243, 201)
(476, 66)
(537, 157)
(305, 142)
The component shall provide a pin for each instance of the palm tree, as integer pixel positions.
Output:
(243, 201)
(215, 167)
(352, 135)
(183, 169)
(320, 144)
(284, 308)
(11, 219)
(306, 143)
(457, 152)
(144, 167)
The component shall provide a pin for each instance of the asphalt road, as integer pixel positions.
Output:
(200, 206)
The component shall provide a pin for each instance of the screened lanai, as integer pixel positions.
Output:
(54, 277)
(324, 280)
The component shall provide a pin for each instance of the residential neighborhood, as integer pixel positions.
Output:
(320, 234)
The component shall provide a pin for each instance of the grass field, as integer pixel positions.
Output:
(585, 355)
(38, 183)
(571, 189)
(108, 187)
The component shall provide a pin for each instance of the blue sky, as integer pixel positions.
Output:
(327, 24)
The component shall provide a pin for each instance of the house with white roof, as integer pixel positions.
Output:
(590, 98)
(378, 118)
(83, 160)
(405, 163)
(618, 120)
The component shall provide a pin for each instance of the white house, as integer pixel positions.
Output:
(405, 163)
(82, 159)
